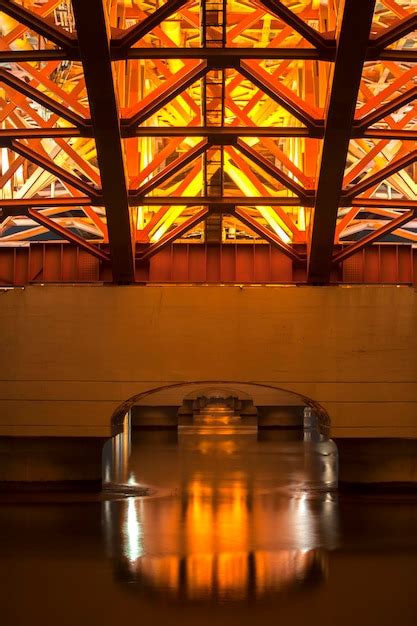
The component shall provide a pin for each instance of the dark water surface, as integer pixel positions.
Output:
(233, 533)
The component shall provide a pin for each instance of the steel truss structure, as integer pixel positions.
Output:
(128, 125)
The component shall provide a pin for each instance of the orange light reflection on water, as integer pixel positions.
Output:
(218, 540)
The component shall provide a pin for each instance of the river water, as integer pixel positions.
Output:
(234, 530)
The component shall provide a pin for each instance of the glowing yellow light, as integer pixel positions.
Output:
(174, 212)
(301, 218)
(140, 222)
(171, 216)
(249, 189)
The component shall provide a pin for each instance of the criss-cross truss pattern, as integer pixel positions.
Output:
(127, 125)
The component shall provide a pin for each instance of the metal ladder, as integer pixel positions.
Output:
(213, 35)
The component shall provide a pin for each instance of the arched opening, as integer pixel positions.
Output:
(228, 415)
(238, 476)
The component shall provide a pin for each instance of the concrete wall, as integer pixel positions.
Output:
(71, 354)
(37, 461)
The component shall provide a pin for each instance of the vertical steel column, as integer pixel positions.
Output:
(213, 35)
(352, 46)
(93, 34)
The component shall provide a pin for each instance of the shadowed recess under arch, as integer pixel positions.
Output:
(193, 387)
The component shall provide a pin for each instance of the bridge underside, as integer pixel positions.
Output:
(127, 126)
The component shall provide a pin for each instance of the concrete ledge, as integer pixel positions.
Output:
(51, 462)
(51, 486)
(284, 416)
(377, 462)
(155, 416)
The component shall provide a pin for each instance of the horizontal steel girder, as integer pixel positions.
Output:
(231, 55)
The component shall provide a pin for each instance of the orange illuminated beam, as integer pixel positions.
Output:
(395, 32)
(34, 94)
(34, 22)
(175, 233)
(261, 79)
(266, 234)
(48, 165)
(260, 188)
(67, 234)
(276, 7)
(389, 227)
(373, 180)
(129, 37)
(172, 168)
(385, 110)
(166, 92)
(270, 169)
(143, 234)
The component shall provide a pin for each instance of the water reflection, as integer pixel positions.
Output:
(220, 526)
(270, 459)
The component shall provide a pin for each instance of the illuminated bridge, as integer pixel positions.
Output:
(228, 191)
(208, 142)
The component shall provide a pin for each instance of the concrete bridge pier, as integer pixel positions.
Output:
(51, 463)
(377, 463)
(72, 356)
(75, 463)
